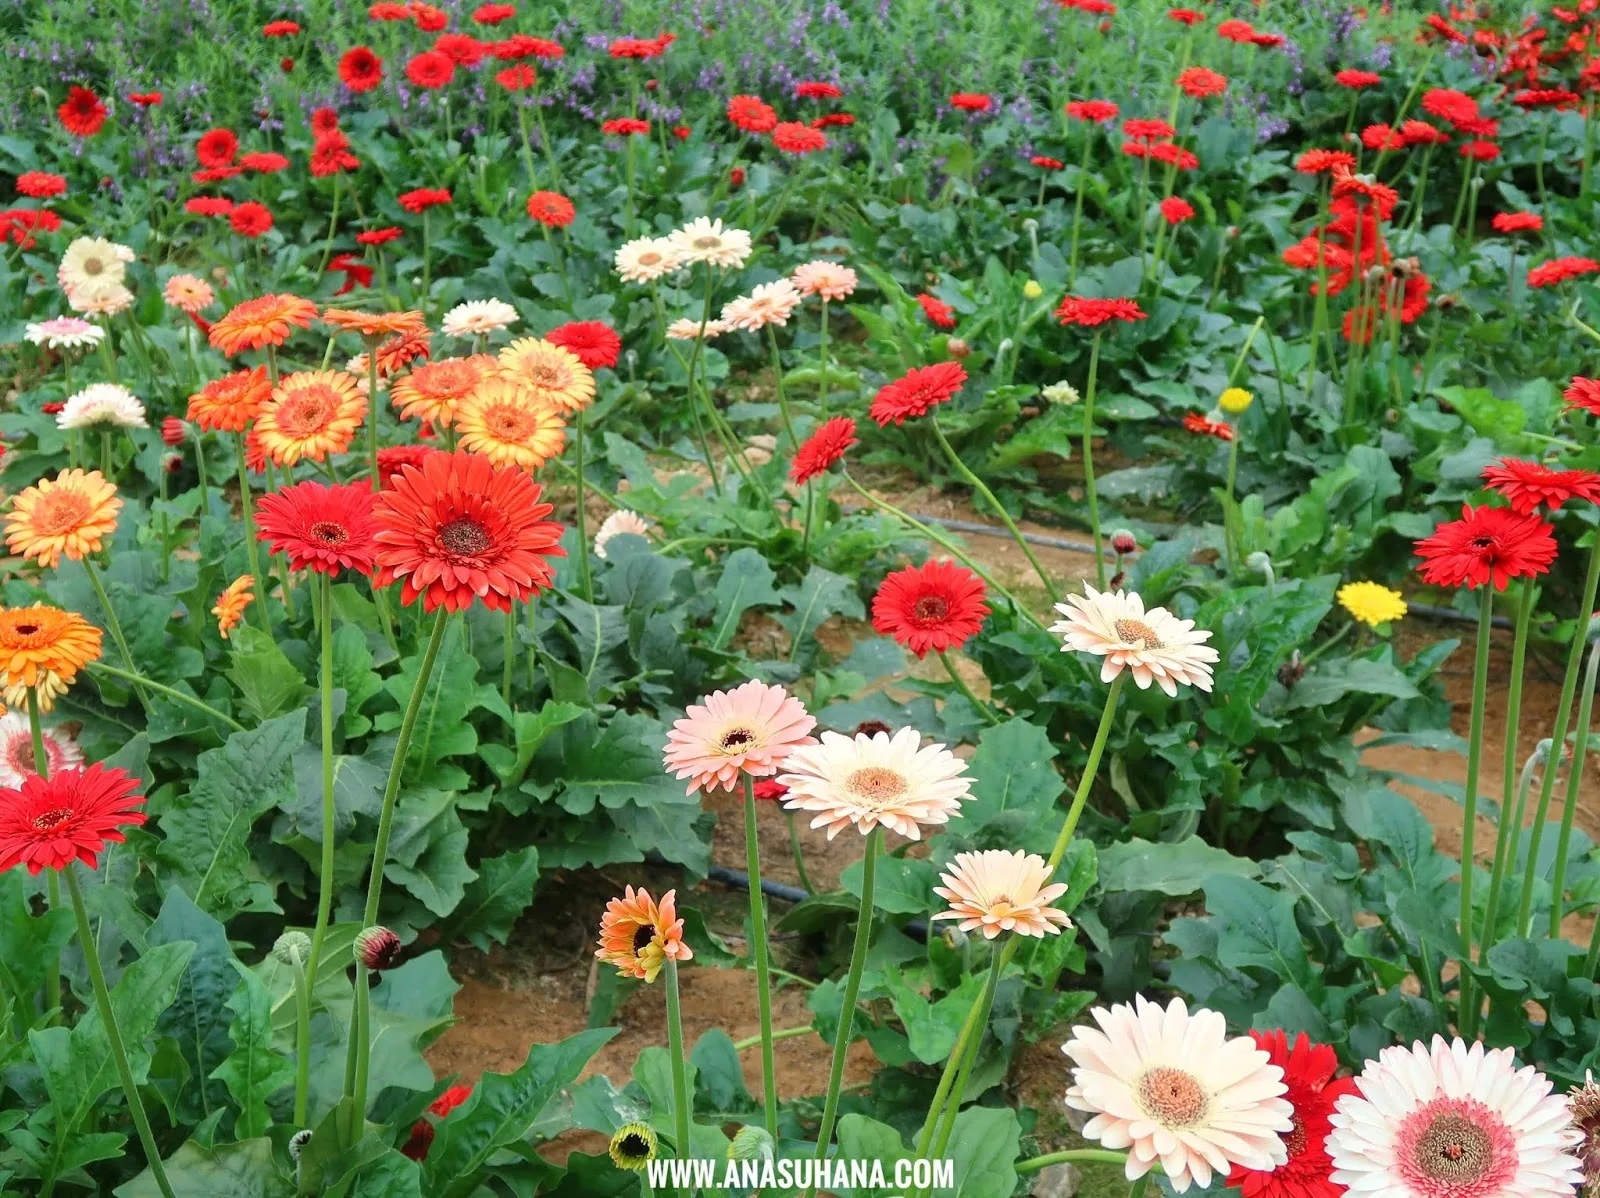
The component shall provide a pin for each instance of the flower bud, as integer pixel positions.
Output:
(292, 948)
(872, 728)
(633, 1146)
(172, 463)
(377, 948)
(958, 348)
(1123, 542)
(173, 431)
(297, 1143)
(1235, 400)
(1032, 290)
(1030, 226)
(1062, 393)
(751, 1144)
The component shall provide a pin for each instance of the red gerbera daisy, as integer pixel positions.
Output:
(208, 206)
(356, 272)
(797, 137)
(752, 114)
(1480, 151)
(461, 48)
(1088, 312)
(595, 343)
(1546, 97)
(428, 18)
(1199, 82)
(264, 162)
(72, 816)
(939, 313)
(431, 69)
(318, 527)
(1313, 1090)
(1235, 30)
(1528, 486)
(41, 185)
(1147, 129)
(1354, 79)
(217, 174)
(1196, 423)
(1098, 111)
(1448, 104)
(360, 69)
(970, 101)
(1559, 270)
(455, 529)
(144, 99)
(815, 90)
(1420, 133)
(423, 198)
(1174, 155)
(1517, 222)
(934, 607)
(82, 112)
(394, 458)
(494, 14)
(218, 147)
(386, 11)
(915, 392)
(378, 236)
(1488, 544)
(250, 219)
(551, 208)
(1584, 394)
(517, 78)
(624, 126)
(1185, 16)
(1176, 210)
(822, 449)
(1382, 137)
(1046, 163)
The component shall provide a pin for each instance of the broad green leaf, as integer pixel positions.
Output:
(442, 729)
(864, 1139)
(1012, 771)
(1180, 868)
(529, 731)
(820, 594)
(242, 1170)
(1331, 681)
(746, 582)
(428, 855)
(719, 1076)
(198, 1018)
(901, 885)
(500, 894)
(611, 766)
(353, 674)
(29, 947)
(1257, 929)
(268, 682)
(666, 828)
(253, 1072)
(983, 1146)
(357, 790)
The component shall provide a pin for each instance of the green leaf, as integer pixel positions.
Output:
(1012, 771)
(499, 895)
(612, 766)
(1257, 929)
(428, 855)
(1330, 681)
(746, 582)
(353, 674)
(1180, 868)
(242, 1170)
(357, 790)
(903, 885)
(983, 1146)
(442, 729)
(529, 730)
(29, 947)
(253, 1072)
(719, 1076)
(268, 682)
(821, 594)
(198, 1017)
(864, 1139)
(665, 828)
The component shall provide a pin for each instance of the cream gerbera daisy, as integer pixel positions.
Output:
(478, 318)
(687, 329)
(770, 303)
(618, 523)
(1173, 1087)
(706, 240)
(64, 332)
(91, 263)
(872, 780)
(1371, 602)
(1155, 646)
(827, 279)
(646, 259)
(107, 299)
(752, 729)
(1453, 1122)
(1002, 892)
(551, 374)
(108, 404)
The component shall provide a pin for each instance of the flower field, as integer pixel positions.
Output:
(792, 599)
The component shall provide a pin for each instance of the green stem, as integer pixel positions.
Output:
(758, 950)
(1088, 463)
(251, 552)
(100, 667)
(362, 1025)
(115, 627)
(798, 854)
(427, 263)
(1086, 1156)
(822, 383)
(984, 709)
(325, 882)
(970, 1056)
(41, 766)
(1229, 520)
(681, 1109)
(1512, 820)
(1077, 205)
(777, 384)
(787, 1033)
(1091, 767)
(509, 653)
(583, 537)
(1569, 808)
(333, 224)
(1467, 1014)
(302, 1039)
(119, 1055)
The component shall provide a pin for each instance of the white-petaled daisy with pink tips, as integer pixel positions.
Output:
(61, 752)
(1171, 1086)
(64, 332)
(827, 279)
(751, 729)
(999, 892)
(868, 781)
(1154, 646)
(1449, 1121)
(770, 303)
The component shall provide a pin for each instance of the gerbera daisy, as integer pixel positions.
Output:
(250, 219)
(516, 78)
(1420, 133)
(91, 263)
(1487, 545)
(1528, 486)
(230, 403)
(61, 752)
(1355, 80)
(940, 314)
(639, 935)
(768, 303)
(646, 259)
(1090, 312)
(217, 147)
(706, 240)
(752, 114)
(1450, 1121)
(188, 293)
(423, 198)
(1175, 210)
(394, 458)
(68, 516)
(689, 329)
(811, 89)
(828, 279)
(312, 413)
(82, 113)
(1044, 162)
(360, 69)
(1098, 111)
(1199, 82)
(400, 351)
(822, 449)
(1235, 30)
(456, 528)
(875, 780)
(621, 522)
(38, 641)
(64, 332)
(1517, 222)
(108, 405)
(552, 374)
(257, 323)
(421, 1138)
(1371, 602)
(595, 343)
(1585, 1103)
(915, 392)
(235, 597)
(551, 209)
(970, 101)
(1173, 1087)
(1308, 1072)
(72, 816)
(1154, 646)
(797, 137)
(1195, 423)
(1316, 162)
(431, 70)
(1448, 104)
(999, 892)
(751, 730)
(105, 299)
(434, 390)
(504, 422)
(1583, 394)
(934, 607)
(477, 318)
(624, 126)
(1559, 270)
(40, 185)
(376, 324)
(318, 527)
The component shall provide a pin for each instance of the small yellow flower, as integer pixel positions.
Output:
(1235, 400)
(1372, 603)
(1032, 290)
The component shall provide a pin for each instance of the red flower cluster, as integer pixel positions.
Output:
(1355, 79)
(1487, 545)
(916, 392)
(939, 313)
(19, 225)
(1185, 16)
(423, 198)
(642, 48)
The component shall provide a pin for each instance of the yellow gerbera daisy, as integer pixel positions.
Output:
(552, 373)
(1235, 400)
(69, 515)
(504, 422)
(1372, 603)
(48, 688)
(311, 414)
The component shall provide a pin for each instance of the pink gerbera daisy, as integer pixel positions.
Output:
(748, 730)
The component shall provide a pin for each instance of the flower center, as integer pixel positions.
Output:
(19, 754)
(707, 243)
(28, 629)
(60, 512)
(464, 537)
(511, 423)
(1295, 1138)
(735, 740)
(876, 784)
(305, 412)
(49, 821)
(329, 533)
(544, 375)
(1482, 544)
(1172, 1097)
(930, 609)
(650, 259)
(642, 936)
(633, 1144)
(1455, 1148)
(1138, 634)
(93, 266)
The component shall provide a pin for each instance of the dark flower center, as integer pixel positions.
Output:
(49, 821)
(329, 533)
(872, 728)
(1454, 1150)
(28, 629)
(1295, 1138)
(930, 609)
(633, 1144)
(738, 738)
(1482, 544)
(642, 936)
(464, 537)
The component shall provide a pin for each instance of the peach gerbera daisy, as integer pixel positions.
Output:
(229, 404)
(769, 303)
(265, 320)
(553, 374)
(1002, 892)
(376, 324)
(311, 414)
(748, 730)
(432, 391)
(68, 516)
(1173, 1087)
(38, 641)
(503, 422)
(639, 935)
(188, 293)
(235, 597)
(871, 780)
(827, 279)
(1155, 646)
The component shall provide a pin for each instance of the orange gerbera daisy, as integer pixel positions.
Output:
(399, 351)
(235, 597)
(456, 528)
(39, 641)
(376, 324)
(551, 372)
(432, 391)
(228, 404)
(69, 515)
(266, 320)
(639, 935)
(311, 414)
(502, 421)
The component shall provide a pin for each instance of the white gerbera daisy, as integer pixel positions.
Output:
(688, 329)
(706, 240)
(61, 752)
(770, 303)
(91, 262)
(646, 259)
(1154, 645)
(872, 780)
(1003, 892)
(104, 299)
(1453, 1122)
(477, 318)
(102, 404)
(1175, 1088)
(64, 332)
(616, 524)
